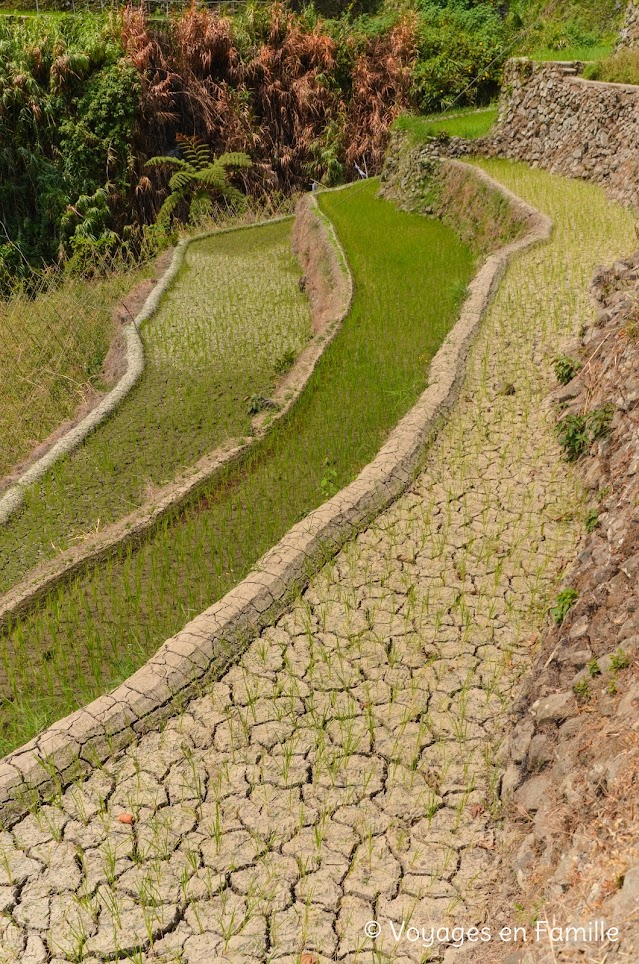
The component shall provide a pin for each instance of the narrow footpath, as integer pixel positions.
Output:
(344, 771)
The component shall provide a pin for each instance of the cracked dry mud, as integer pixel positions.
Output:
(344, 770)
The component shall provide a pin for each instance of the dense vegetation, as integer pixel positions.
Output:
(307, 92)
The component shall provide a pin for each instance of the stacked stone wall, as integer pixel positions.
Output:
(552, 118)
(629, 35)
(556, 120)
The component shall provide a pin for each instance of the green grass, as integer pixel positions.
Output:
(620, 68)
(578, 52)
(469, 123)
(52, 346)
(32, 14)
(410, 274)
(220, 336)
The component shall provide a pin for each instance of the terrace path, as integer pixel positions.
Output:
(344, 771)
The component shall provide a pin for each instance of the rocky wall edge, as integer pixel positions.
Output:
(555, 119)
(214, 640)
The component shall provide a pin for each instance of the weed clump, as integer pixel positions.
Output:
(620, 660)
(566, 368)
(581, 690)
(576, 433)
(592, 520)
(565, 600)
(258, 403)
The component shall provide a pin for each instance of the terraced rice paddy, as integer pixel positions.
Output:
(469, 123)
(232, 319)
(410, 276)
(345, 771)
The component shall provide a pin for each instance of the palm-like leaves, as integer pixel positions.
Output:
(199, 176)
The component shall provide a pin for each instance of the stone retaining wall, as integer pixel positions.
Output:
(571, 754)
(215, 639)
(556, 120)
(629, 35)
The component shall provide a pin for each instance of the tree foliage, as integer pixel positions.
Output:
(308, 92)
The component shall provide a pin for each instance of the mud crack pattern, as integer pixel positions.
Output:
(344, 770)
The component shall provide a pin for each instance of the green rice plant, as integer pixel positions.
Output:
(211, 351)
(107, 622)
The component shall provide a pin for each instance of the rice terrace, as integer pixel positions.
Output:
(319, 527)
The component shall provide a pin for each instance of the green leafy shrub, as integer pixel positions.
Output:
(581, 690)
(620, 660)
(285, 363)
(576, 29)
(259, 403)
(569, 33)
(199, 178)
(576, 433)
(566, 368)
(592, 520)
(593, 668)
(457, 45)
(96, 144)
(565, 599)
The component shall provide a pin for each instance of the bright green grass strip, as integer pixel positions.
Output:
(410, 273)
(580, 53)
(234, 314)
(469, 124)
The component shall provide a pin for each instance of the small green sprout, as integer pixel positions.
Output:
(582, 690)
(592, 520)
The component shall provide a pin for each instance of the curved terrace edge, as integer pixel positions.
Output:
(212, 641)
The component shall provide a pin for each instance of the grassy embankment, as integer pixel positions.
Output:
(620, 68)
(579, 52)
(410, 275)
(52, 348)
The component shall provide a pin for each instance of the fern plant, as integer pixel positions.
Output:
(199, 177)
